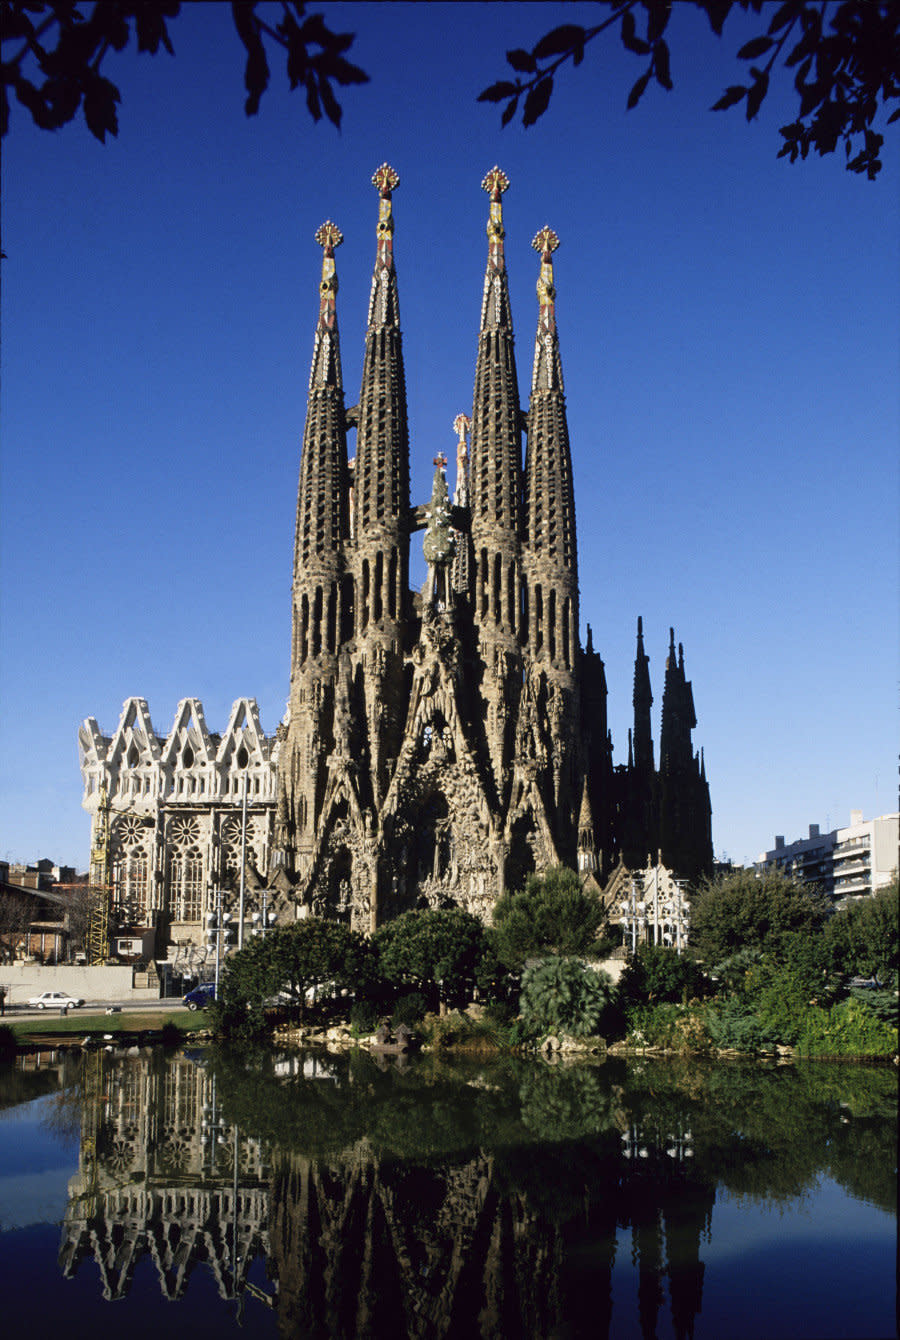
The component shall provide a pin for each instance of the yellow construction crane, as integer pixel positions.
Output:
(98, 926)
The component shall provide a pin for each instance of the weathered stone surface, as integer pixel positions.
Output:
(437, 746)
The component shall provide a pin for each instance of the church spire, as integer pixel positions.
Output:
(322, 517)
(381, 475)
(381, 515)
(321, 597)
(642, 701)
(463, 561)
(551, 558)
(495, 461)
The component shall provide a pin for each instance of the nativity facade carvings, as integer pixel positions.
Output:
(438, 745)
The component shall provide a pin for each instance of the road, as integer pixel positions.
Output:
(173, 1005)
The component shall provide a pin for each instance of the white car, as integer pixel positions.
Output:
(49, 1000)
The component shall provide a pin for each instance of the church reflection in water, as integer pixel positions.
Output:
(509, 1239)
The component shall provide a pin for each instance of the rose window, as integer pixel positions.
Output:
(231, 832)
(184, 830)
(130, 830)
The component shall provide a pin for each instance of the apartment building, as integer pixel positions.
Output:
(845, 863)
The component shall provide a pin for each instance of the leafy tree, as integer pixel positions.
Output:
(845, 55)
(68, 46)
(563, 995)
(741, 910)
(863, 937)
(553, 914)
(292, 959)
(436, 951)
(656, 973)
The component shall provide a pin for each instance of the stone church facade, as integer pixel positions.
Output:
(438, 745)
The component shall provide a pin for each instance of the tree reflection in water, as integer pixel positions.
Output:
(450, 1199)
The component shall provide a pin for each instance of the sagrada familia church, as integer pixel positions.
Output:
(438, 745)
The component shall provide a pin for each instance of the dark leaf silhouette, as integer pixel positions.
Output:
(64, 49)
(731, 95)
(853, 46)
(846, 54)
(750, 50)
(100, 98)
(661, 64)
(561, 39)
(536, 102)
(332, 108)
(784, 15)
(497, 92)
(658, 12)
(630, 40)
(509, 112)
(637, 91)
(523, 61)
(757, 92)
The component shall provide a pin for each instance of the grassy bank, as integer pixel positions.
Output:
(80, 1025)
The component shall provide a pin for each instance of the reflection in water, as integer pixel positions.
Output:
(446, 1201)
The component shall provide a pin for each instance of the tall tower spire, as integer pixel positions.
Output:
(322, 599)
(463, 561)
(550, 541)
(495, 472)
(381, 502)
(550, 565)
(642, 701)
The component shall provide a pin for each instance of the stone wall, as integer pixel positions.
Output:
(89, 984)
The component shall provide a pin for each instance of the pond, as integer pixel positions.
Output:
(315, 1195)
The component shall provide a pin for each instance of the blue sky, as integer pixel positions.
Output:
(730, 339)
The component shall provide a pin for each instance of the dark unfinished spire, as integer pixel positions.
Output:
(642, 701)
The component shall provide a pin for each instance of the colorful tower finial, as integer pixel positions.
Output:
(546, 242)
(328, 236)
(385, 180)
(495, 183)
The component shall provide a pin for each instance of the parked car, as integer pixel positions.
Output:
(48, 1000)
(200, 996)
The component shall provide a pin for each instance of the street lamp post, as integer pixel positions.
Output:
(217, 929)
(243, 863)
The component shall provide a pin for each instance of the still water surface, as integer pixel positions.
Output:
(207, 1194)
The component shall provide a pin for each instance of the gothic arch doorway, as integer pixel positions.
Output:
(521, 861)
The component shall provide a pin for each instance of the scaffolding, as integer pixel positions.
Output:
(98, 925)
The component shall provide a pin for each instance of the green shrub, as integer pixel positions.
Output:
(561, 994)
(656, 973)
(364, 1017)
(677, 1028)
(409, 1009)
(883, 1004)
(554, 914)
(732, 1024)
(847, 1029)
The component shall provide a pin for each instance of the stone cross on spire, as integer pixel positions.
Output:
(495, 183)
(546, 242)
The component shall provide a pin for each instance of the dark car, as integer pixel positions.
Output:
(200, 996)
